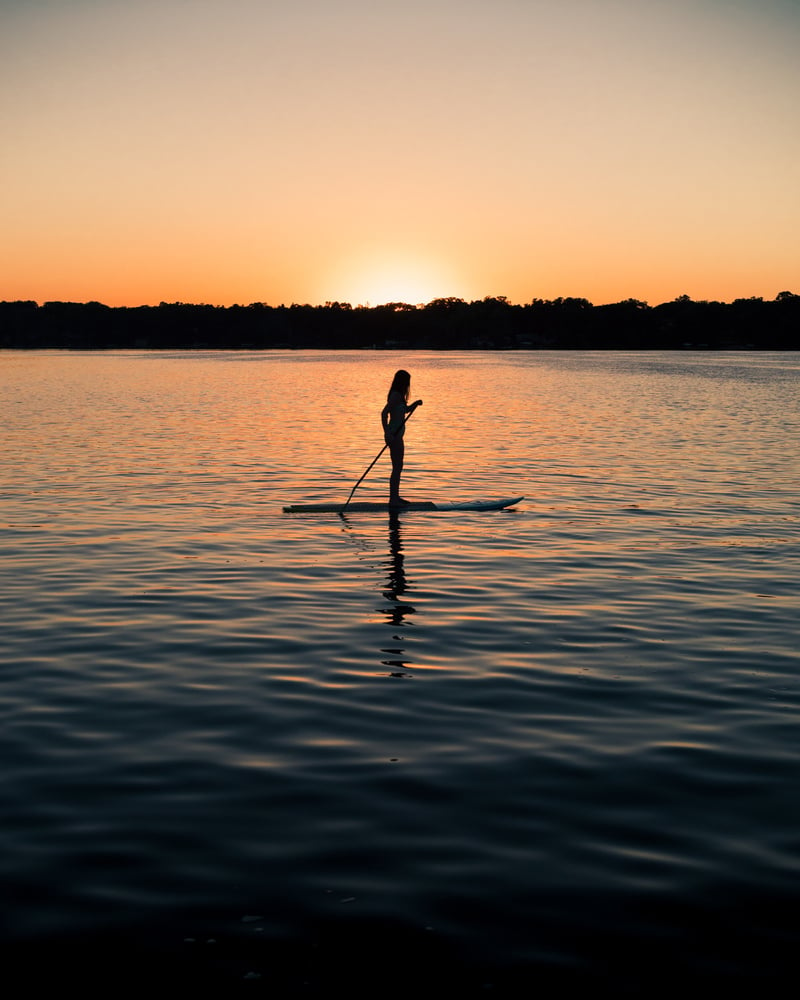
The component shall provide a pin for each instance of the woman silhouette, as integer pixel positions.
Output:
(393, 418)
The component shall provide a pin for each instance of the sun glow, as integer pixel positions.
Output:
(373, 280)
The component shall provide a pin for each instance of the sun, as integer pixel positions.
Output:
(376, 279)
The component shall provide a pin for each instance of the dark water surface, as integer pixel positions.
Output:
(487, 753)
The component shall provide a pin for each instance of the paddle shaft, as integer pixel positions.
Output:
(374, 460)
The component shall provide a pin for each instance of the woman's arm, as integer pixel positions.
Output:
(394, 413)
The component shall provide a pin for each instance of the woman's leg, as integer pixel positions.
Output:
(397, 451)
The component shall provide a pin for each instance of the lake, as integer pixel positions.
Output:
(495, 752)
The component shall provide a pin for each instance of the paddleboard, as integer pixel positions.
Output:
(359, 507)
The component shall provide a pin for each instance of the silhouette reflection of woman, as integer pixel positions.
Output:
(393, 417)
(397, 612)
(396, 583)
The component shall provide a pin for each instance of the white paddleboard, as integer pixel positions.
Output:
(419, 505)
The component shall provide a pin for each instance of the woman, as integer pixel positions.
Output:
(393, 417)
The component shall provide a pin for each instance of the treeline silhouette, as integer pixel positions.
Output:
(444, 324)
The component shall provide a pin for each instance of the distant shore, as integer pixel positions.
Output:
(443, 324)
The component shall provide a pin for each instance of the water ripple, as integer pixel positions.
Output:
(553, 745)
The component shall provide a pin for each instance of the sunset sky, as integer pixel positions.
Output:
(369, 151)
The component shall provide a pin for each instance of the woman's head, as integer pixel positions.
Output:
(401, 383)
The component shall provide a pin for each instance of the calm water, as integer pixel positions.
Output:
(476, 752)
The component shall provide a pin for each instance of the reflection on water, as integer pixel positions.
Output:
(396, 586)
(394, 590)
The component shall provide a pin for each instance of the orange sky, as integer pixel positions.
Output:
(369, 151)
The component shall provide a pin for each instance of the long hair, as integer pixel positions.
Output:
(400, 383)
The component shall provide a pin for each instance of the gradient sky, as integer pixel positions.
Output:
(368, 151)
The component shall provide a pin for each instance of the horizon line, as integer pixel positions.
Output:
(401, 304)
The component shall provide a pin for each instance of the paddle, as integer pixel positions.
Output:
(374, 460)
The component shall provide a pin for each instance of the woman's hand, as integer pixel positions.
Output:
(415, 404)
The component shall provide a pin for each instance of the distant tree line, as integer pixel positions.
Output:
(443, 324)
